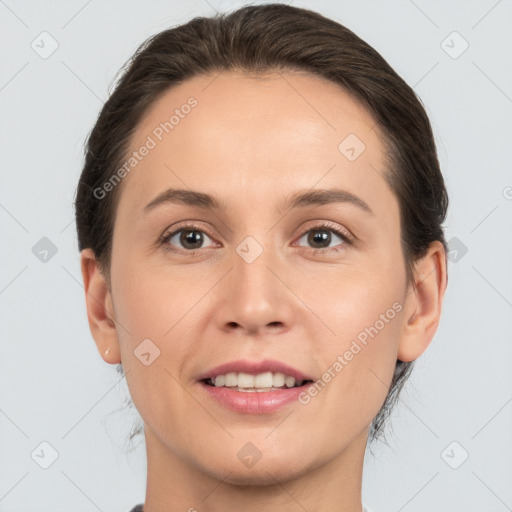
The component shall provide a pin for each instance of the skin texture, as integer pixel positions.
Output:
(252, 142)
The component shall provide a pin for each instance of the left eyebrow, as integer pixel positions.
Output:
(324, 196)
(300, 199)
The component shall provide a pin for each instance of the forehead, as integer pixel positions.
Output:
(297, 103)
(236, 133)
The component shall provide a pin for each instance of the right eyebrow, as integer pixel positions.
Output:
(300, 199)
(186, 197)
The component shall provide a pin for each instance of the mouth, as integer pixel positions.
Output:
(259, 383)
(254, 387)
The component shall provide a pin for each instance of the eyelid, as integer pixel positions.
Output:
(191, 225)
(317, 225)
(347, 240)
(198, 225)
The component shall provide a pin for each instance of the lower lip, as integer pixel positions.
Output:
(254, 402)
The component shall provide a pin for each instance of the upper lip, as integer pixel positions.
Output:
(254, 368)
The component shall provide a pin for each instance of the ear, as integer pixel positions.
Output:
(423, 303)
(100, 311)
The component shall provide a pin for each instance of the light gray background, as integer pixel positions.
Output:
(55, 388)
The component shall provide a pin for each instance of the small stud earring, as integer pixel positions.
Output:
(107, 351)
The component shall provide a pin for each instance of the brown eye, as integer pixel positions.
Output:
(322, 237)
(318, 238)
(191, 239)
(187, 238)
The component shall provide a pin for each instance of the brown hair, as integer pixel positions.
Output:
(256, 39)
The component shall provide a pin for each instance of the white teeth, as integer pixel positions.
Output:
(278, 380)
(231, 379)
(262, 380)
(265, 381)
(245, 380)
(289, 381)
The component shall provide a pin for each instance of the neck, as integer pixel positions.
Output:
(174, 484)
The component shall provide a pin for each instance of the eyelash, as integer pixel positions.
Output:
(326, 226)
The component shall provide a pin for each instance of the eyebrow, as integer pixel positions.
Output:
(300, 199)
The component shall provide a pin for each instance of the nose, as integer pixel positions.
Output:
(254, 298)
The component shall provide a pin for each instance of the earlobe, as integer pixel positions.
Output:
(423, 303)
(100, 312)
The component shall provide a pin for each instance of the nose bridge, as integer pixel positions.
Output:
(252, 296)
(251, 266)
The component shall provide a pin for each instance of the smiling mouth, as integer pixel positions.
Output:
(259, 383)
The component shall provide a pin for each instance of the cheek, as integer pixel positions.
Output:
(340, 304)
(156, 315)
(152, 304)
(364, 313)
(357, 298)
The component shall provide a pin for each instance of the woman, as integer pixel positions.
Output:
(260, 224)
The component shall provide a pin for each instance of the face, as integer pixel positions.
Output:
(292, 267)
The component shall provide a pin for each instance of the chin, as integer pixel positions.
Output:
(266, 471)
